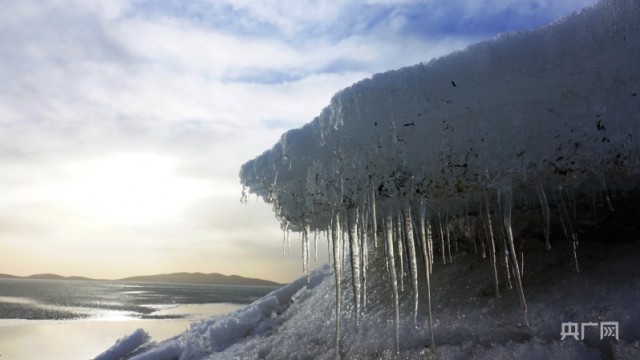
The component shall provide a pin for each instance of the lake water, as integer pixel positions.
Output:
(58, 319)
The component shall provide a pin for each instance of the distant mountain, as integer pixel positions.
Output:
(47, 277)
(200, 278)
(7, 276)
(57, 277)
(182, 278)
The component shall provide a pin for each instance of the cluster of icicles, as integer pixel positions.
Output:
(405, 228)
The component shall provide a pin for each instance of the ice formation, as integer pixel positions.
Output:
(450, 156)
(124, 346)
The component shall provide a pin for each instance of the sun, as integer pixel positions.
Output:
(127, 188)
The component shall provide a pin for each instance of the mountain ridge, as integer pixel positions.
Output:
(179, 278)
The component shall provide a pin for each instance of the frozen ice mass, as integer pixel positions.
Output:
(459, 199)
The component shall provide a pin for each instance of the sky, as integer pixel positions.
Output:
(124, 123)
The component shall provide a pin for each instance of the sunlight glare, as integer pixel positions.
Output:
(128, 188)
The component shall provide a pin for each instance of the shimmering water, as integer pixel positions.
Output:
(107, 300)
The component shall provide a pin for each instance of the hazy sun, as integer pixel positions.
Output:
(128, 188)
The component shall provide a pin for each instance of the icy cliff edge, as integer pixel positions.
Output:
(559, 105)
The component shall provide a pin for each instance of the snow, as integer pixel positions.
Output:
(524, 147)
(124, 346)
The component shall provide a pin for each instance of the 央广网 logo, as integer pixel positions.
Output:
(577, 330)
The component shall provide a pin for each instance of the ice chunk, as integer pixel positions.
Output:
(125, 346)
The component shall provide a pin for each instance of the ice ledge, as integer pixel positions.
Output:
(559, 105)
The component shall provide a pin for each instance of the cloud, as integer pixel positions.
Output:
(208, 83)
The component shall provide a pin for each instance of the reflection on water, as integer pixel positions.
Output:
(76, 339)
(105, 300)
(84, 339)
(58, 319)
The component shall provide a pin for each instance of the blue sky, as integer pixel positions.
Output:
(123, 124)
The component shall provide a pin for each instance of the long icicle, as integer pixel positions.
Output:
(503, 239)
(569, 230)
(426, 239)
(315, 245)
(546, 218)
(356, 263)
(374, 226)
(413, 264)
(305, 249)
(508, 204)
(399, 242)
(337, 269)
(447, 231)
(492, 245)
(364, 248)
(389, 239)
(441, 231)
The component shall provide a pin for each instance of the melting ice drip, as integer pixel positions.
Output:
(416, 161)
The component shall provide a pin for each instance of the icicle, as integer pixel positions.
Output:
(430, 243)
(429, 240)
(606, 193)
(447, 232)
(389, 240)
(567, 226)
(413, 264)
(492, 245)
(425, 239)
(285, 238)
(364, 248)
(374, 226)
(399, 241)
(315, 245)
(305, 249)
(244, 197)
(505, 246)
(356, 261)
(522, 257)
(345, 244)
(327, 236)
(516, 269)
(483, 248)
(442, 240)
(337, 269)
(545, 212)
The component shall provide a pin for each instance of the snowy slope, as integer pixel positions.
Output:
(469, 322)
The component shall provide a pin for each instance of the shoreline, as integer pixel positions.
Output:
(87, 338)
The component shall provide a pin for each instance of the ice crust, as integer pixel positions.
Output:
(559, 104)
(125, 346)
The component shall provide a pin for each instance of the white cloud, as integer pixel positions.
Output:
(209, 83)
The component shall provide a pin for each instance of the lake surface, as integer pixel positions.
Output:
(60, 319)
